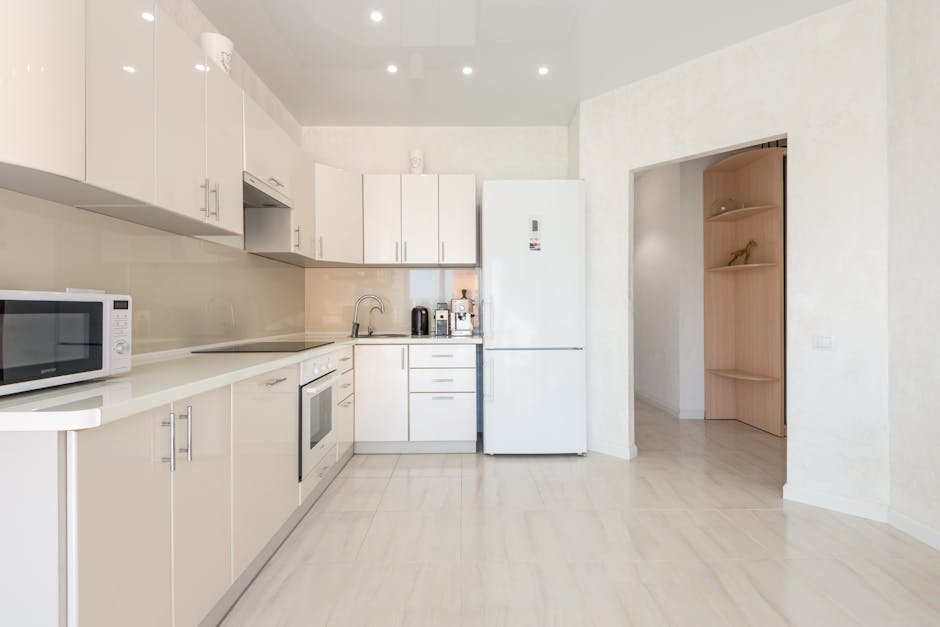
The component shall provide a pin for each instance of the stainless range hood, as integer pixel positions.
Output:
(257, 194)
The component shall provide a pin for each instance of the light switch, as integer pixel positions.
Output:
(824, 342)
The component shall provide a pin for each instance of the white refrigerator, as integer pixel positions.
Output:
(533, 308)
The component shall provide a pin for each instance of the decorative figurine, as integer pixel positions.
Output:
(743, 252)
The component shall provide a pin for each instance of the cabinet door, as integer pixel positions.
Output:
(457, 211)
(381, 218)
(119, 100)
(224, 149)
(42, 100)
(120, 530)
(202, 541)
(265, 463)
(303, 235)
(338, 215)
(419, 218)
(382, 401)
(180, 121)
(269, 152)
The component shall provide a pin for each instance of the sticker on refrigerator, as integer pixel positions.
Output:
(535, 233)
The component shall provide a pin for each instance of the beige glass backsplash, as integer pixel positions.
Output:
(186, 291)
(332, 294)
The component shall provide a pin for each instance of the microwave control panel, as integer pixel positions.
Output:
(120, 334)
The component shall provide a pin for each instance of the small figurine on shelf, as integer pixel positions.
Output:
(743, 252)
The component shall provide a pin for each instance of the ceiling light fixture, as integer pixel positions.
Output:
(467, 70)
(392, 68)
(147, 15)
(130, 69)
(201, 68)
(543, 70)
(376, 16)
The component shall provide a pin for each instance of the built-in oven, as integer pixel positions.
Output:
(317, 377)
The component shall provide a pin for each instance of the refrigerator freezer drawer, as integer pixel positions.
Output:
(534, 401)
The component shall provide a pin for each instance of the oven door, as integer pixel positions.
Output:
(316, 421)
(49, 342)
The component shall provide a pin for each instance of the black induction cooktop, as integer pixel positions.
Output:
(265, 347)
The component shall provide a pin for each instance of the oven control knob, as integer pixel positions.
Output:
(121, 347)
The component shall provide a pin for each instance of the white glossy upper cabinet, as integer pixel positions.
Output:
(381, 218)
(457, 211)
(119, 97)
(302, 213)
(180, 95)
(224, 149)
(338, 212)
(42, 85)
(270, 154)
(419, 219)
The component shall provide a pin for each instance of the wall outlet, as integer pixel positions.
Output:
(824, 342)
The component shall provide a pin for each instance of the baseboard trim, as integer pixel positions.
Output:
(691, 414)
(404, 448)
(863, 509)
(658, 404)
(614, 450)
(925, 533)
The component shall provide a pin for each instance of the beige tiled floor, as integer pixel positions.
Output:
(692, 532)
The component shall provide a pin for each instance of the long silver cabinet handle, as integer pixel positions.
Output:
(205, 188)
(442, 398)
(443, 256)
(402, 357)
(405, 253)
(441, 356)
(274, 382)
(217, 190)
(396, 252)
(442, 380)
(172, 458)
(297, 233)
(345, 358)
(189, 433)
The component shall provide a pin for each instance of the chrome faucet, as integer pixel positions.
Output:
(355, 324)
(371, 311)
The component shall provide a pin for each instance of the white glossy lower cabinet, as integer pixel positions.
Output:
(119, 523)
(443, 417)
(382, 397)
(202, 562)
(265, 465)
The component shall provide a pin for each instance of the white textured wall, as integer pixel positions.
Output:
(504, 152)
(820, 81)
(914, 150)
(656, 260)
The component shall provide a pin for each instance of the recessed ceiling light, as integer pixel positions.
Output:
(147, 15)
(392, 68)
(130, 69)
(201, 68)
(376, 16)
(543, 70)
(467, 70)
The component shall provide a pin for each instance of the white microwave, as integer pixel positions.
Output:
(54, 338)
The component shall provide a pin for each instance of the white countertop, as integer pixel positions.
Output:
(160, 379)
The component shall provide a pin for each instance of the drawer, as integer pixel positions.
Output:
(344, 359)
(343, 387)
(442, 356)
(443, 380)
(443, 417)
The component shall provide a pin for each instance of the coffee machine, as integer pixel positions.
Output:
(461, 315)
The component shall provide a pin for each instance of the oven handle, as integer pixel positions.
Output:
(315, 387)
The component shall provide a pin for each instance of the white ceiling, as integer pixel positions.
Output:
(326, 59)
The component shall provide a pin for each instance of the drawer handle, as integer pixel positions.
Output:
(346, 385)
(442, 380)
(345, 358)
(441, 356)
(274, 382)
(346, 404)
(442, 398)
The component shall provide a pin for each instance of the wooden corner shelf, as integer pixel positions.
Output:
(743, 375)
(742, 266)
(739, 214)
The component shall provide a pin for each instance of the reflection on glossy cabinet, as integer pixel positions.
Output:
(201, 504)
(270, 154)
(119, 97)
(42, 112)
(381, 218)
(457, 213)
(120, 524)
(179, 93)
(381, 406)
(419, 218)
(265, 460)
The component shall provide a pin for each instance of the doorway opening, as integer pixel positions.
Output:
(709, 307)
